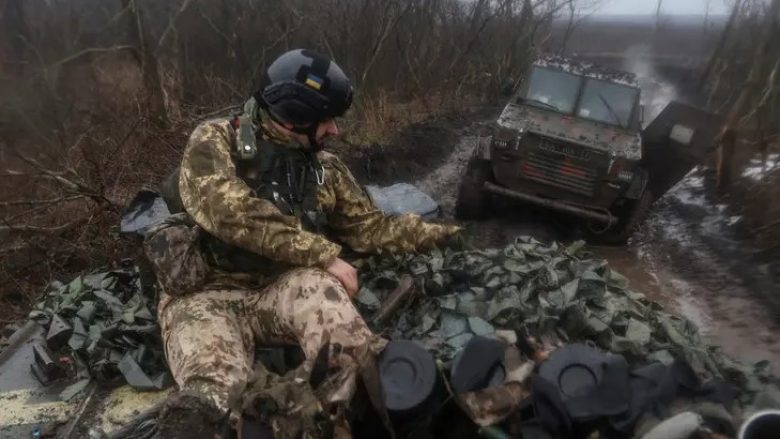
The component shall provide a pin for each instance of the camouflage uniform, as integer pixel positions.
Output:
(211, 315)
(210, 336)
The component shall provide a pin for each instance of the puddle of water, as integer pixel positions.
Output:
(691, 306)
(726, 314)
(677, 267)
(691, 190)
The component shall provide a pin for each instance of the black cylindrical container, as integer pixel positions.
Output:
(409, 382)
(762, 425)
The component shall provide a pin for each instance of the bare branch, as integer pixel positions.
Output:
(40, 202)
(56, 176)
(29, 213)
(15, 173)
(69, 184)
(124, 139)
(219, 112)
(716, 54)
(171, 24)
(25, 228)
(91, 50)
(765, 227)
(768, 92)
(381, 41)
(316, 22)
(214, 27)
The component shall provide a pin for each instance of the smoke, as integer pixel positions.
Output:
(656, 91)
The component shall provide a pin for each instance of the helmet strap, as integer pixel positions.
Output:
(312, 135)
(310, 132)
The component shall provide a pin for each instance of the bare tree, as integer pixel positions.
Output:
(749, 89)
(658, 14)
(724, 37)
(77, 158)
(707, 7)
(578, 11)
(16, 35)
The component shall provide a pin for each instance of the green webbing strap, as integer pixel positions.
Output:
(246, 142)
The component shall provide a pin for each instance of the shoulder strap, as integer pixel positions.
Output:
(169, 190)
(246, 141)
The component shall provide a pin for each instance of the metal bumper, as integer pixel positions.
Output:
(559, 206)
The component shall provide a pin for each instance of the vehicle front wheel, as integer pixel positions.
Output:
(473, 202)
(631, 216)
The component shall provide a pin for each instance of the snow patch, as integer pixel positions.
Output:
(691, 190)
(733, 220)
(587, 69)
(757, 169)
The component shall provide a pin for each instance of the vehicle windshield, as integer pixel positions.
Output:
(600, 100)
(552, 89)
(607, 102)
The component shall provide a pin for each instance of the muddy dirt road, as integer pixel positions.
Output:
(682, 257)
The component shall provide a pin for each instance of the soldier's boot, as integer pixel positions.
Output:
(187, 414)
(254, 429)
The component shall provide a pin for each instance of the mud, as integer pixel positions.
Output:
(686, 256)
(415, 151)
(683, 259)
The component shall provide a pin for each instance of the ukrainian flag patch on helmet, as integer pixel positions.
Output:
(314, 81)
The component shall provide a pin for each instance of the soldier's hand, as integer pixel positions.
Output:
(453, 237)
(346, 274)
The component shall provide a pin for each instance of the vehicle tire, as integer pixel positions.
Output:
(632, 216)
(473, 202)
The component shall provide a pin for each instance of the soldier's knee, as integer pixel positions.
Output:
(317, 284)
(315, 276)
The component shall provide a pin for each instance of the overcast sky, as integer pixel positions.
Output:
(676, 7)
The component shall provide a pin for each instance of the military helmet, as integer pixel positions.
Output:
(303, 87)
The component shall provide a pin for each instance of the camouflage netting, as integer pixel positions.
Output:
(107, 323)
(557, 292)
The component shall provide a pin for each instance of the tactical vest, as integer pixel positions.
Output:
(287, 177)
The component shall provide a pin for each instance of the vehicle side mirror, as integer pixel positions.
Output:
(682, 134)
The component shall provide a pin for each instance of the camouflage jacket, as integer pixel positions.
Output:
(215, 196)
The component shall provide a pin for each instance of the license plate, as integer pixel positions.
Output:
(567, 150)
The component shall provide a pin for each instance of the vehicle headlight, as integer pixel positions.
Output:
(500, 144)
(508, 138)
(625, 176)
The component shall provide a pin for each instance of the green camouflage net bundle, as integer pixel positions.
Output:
(106, 321)
(557, 292)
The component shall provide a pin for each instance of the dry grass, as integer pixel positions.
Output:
(375, 119)
(113, 157)
(106, 161)
(760, 204)
(99, 100)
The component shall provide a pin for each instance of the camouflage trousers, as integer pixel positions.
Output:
(210, 336)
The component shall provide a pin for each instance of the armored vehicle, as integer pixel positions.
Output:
(571, 140)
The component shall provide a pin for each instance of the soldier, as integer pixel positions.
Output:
(254, 254)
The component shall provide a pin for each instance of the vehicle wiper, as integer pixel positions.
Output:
(542, 103)
(611, 111)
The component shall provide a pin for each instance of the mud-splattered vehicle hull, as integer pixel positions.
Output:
(584, 153)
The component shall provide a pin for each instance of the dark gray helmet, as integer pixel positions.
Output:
(303, 87)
